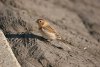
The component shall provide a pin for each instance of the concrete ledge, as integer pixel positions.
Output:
(7, 58)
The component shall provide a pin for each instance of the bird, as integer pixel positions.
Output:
(47, 31)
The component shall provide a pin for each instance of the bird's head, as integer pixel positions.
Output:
(42, 22)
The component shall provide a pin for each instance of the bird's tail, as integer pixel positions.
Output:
(59, 38)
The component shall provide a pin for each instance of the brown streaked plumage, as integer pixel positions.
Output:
(46, 30)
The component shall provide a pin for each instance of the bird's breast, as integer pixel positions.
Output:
(47, 34)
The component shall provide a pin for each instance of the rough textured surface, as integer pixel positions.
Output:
(7, 58)
(76, 20)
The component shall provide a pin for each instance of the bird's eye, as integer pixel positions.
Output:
(40, 21)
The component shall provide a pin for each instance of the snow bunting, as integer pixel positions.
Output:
(47, 31)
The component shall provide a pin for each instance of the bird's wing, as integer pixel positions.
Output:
(50, 29)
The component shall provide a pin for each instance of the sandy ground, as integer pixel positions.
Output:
(77, 21)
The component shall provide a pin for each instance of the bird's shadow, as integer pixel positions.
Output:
(30, 35)
(25, 35)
